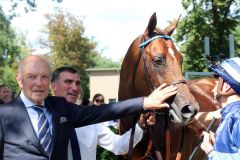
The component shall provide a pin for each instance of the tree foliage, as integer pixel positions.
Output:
(104, 154)
(68, 44)
(103, 62)
(29, 5)
(237, 39)
(213, 18)
(10, 52)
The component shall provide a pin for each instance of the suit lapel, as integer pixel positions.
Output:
(27, 126)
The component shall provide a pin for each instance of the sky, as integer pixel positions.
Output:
(113, 24)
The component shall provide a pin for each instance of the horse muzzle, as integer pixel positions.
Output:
(182, 116)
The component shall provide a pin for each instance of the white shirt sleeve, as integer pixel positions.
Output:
(117, 144)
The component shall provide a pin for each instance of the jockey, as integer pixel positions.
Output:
(227, 92)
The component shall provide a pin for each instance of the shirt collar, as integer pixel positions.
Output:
(230, 108)
(27, 102)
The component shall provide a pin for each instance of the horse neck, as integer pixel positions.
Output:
(202, 91)
(130, 67)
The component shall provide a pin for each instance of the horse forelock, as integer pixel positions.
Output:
(155, 32)
(169, 43)
(162, 48)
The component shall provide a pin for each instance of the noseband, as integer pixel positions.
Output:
(150, 80)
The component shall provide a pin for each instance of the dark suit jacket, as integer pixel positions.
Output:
(19, 141)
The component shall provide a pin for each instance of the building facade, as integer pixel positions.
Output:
(104, 81)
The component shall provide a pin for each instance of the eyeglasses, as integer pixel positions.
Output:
(99, 100)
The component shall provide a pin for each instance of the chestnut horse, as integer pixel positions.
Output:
(202, 91)
(152, 59)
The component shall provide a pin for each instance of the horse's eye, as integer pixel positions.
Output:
(159, 60)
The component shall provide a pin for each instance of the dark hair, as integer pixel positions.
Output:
(58, 71)
(2, 85)
(96, 96)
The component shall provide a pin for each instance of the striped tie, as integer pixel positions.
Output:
(44, 133)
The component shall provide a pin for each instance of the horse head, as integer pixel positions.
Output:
(152, 59)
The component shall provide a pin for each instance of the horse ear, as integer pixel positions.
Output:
(151, 24)
(169, 30)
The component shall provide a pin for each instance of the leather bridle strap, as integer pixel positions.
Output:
(168, 139)
(146, 69)
(177, 82)
(179, 153)
(151, 84)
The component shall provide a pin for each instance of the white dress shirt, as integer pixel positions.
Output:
(33, 114)
(99, 134)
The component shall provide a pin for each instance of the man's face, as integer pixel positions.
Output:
(218, 99)
(34, 80)
(4, 93)
(67, 86)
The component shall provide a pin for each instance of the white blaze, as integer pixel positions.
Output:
(171, 51)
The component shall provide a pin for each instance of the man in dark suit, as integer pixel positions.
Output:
(37, 127)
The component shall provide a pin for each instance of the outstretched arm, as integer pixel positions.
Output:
(117, 144)
(82, 116)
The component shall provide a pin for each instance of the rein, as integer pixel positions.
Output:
(152, 87)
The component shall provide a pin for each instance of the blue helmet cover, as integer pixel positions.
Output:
(229, 71)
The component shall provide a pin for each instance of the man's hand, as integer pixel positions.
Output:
(156, 100)
(208, 140)
(147, 119)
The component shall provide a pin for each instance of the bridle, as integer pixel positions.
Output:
(150, 80)
(151, 84)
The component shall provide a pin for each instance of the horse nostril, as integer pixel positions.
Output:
(188, 111)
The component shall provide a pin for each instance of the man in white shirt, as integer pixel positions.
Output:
(66, 83)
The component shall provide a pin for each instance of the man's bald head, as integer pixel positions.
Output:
(32, 58)
(34, 75)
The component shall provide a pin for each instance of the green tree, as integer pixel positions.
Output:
(237, 40)
(213, 18)
(10, 52)
(103, 62)
(68, 44)
(29, 5)
(103, 154)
